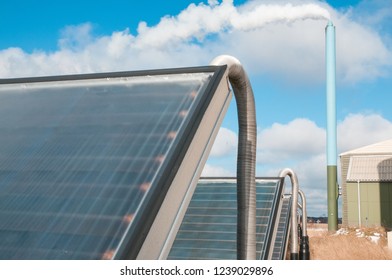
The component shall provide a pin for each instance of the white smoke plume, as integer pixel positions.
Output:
(265, 14)
(196, 22)
(268, 36)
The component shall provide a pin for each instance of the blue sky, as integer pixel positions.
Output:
(281, 48)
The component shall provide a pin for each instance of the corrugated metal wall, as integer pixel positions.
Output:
(370, 204)
(376, 199)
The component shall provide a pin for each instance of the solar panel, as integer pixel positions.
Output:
(86, 161)
(209, 228)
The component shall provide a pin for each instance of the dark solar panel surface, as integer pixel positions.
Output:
(79, 158)
(209, 227)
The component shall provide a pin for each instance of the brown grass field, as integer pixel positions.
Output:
(348, 243)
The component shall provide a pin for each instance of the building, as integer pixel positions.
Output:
(367, 177)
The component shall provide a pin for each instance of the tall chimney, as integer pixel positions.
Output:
(330, 57)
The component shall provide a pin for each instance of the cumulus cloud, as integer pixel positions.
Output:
(76, 37)
(376, 13)
(297, 139)
(301, 145)
(216, 171)
(372, 59)
(281, 38)
(225, 143)
(358, 130)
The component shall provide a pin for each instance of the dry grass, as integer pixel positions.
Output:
(348, 244)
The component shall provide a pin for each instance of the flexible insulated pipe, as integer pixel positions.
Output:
(304, 251)
(294, 225)
(246, 158)
(304, 213)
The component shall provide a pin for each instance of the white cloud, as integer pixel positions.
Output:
(268, 37)
(76, 37)
(373, 12)
(216, 171)
(358, 130)
(361, 52)
(299, 138)
(299, 145)
(213, 2)
(225, 143)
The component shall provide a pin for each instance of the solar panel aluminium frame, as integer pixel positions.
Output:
(119, 74)
(274, 221)
(139, 237)
(286, 230)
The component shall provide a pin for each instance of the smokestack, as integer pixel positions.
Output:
(330, 57)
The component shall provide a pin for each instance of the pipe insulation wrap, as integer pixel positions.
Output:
(246, 158)
(304, 213)
(304, 250)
